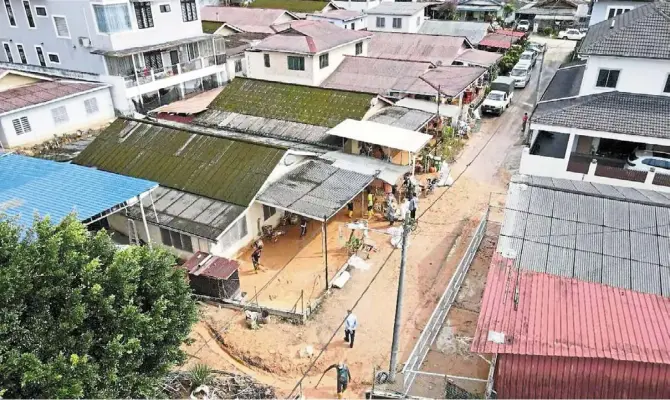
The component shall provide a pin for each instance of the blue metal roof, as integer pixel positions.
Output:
(32, 185)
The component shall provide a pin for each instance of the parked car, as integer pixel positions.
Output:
(644, 160)
(539, 48)
(521, 74)
(528, 57)
(523, 25)
(500, 96)
(571, 34)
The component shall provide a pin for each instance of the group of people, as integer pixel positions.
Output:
(343, 374)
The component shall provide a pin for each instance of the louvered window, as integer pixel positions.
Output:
(189, 10)
(29, 14)
(62, 29)
(143, 15)
(10, 13)
(21, 125)
(59, 115)
(91, 105)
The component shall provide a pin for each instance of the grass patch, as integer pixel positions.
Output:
(304, 6)
(305, 104)
(210, 26)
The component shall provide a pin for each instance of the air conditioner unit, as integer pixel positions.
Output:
(84, 42)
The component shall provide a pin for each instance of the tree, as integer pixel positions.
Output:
(81, 319)
(447, 10)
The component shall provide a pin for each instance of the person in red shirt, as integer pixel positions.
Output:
(525, 120)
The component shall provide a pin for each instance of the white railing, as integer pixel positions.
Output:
(146, 75)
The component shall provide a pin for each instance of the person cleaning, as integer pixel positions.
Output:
(256, 258)
(343, 377)
(350, 207)
(371, 203)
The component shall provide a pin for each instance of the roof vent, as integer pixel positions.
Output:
(612, 24)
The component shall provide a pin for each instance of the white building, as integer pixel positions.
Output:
(596, 112)
(34, 108)
(606, 9)
(346, 19)
(151, 53)
(357, 5)
(396, 17)
(306, 53)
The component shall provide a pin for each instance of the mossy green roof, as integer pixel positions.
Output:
(210, 26)
(218, 168)
(305, 104)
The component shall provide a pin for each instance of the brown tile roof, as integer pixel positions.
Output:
(310, 37)
(441, 50)
(373, 75)
(256, 20)
(41, 92)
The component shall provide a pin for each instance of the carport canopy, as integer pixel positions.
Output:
(315, 190)
(381, 134)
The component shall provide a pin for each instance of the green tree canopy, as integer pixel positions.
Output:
(80, 319)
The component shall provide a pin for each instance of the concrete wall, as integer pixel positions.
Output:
(601, 9)
(358, 23)
(312, 75)
(637, 75)
(42, 124)
(410, 24)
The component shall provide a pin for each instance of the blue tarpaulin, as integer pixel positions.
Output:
(30, 186)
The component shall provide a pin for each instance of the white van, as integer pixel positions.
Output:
(521, 74)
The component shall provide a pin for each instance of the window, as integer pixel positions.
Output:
(59, 115)
(40, 56)
(296, 63)
(10, 13)
(189, 10)
(323, 61)
(359, 48)
(29, 13)
(266, 60)
(381, 22)
(192, 51)
(21, 125)
(607, 78)
(40, 11)
(22, 53)
(397, 23)
(353, 26)
(112, 18)
(238, 66)
(176, 240)
(268, 212)
(153, 60)
(8, 52)
(165, 8)
(91, 105)
(666, 89)
(53, 58)
(235, 233)
(614, 11)
(143, 15)
(62, 30)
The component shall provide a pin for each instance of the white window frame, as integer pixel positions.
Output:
(41, 16)
(32, 12)
(623, 8)
(16, 23)
(607, 87)
(44, 55)
(19, 54)
(53, 62)
(393, 20)
(53, 116)
(9, 46)
(53, 22)
(93, 100)
(133, 26)
(22, 125)
(380, 22)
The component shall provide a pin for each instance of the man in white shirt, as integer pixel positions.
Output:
(350, 325)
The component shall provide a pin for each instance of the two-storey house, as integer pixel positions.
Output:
(150, 52)
(597, 114)
(606, 9)
(305, 54)
(402, 17)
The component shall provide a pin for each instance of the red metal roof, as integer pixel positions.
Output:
(541, 377)
(41, 92)
(508, 32)
(497, 40)
(557, 316)
(204, 264)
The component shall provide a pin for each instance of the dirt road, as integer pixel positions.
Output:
(278, 352)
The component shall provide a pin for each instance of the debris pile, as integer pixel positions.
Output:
(222, 385)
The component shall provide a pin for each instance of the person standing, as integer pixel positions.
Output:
(525, 121)
(350, 207)
(413, 206)
(303, 227)
(350, 325)
(371, 203)
(256, 258)
(343, 377)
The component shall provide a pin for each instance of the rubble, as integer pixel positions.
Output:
(223, 385)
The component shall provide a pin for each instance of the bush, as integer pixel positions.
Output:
(548, 31)
(200, 374)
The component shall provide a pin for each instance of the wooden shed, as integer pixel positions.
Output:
(213, 276)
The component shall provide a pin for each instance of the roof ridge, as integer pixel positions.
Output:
(617, 27)
(581, 100)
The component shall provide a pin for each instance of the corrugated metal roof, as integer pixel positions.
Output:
(315, 190)
(498, 40)
(192, 105)
(611, 228)
(41, 92)
(479, 57)
(566, 82)
(544, 377)
(32, 185)
(440, 50)
(474, 31)
(255, 20)
(558, 316)
(397, 8)
(188, 213)
(382, 135)
(310, 37)
(451, 81)
(215, 167)
(341, 15)
(402, 117)
(205, 264)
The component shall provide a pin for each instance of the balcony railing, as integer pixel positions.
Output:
(147, 75)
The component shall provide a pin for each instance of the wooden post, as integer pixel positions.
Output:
(302, 304)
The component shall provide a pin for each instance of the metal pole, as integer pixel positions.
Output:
(398, 304)
(153, 206)
(325, 248)
(146, 227)
(537, 95)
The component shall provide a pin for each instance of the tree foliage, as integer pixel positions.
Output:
(81, 319)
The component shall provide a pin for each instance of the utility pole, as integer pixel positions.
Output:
(398, 304)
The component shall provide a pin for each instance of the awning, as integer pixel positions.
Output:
(153, 47)
(380, 134)
(387, 172)
(315, 190)
(190, 106)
